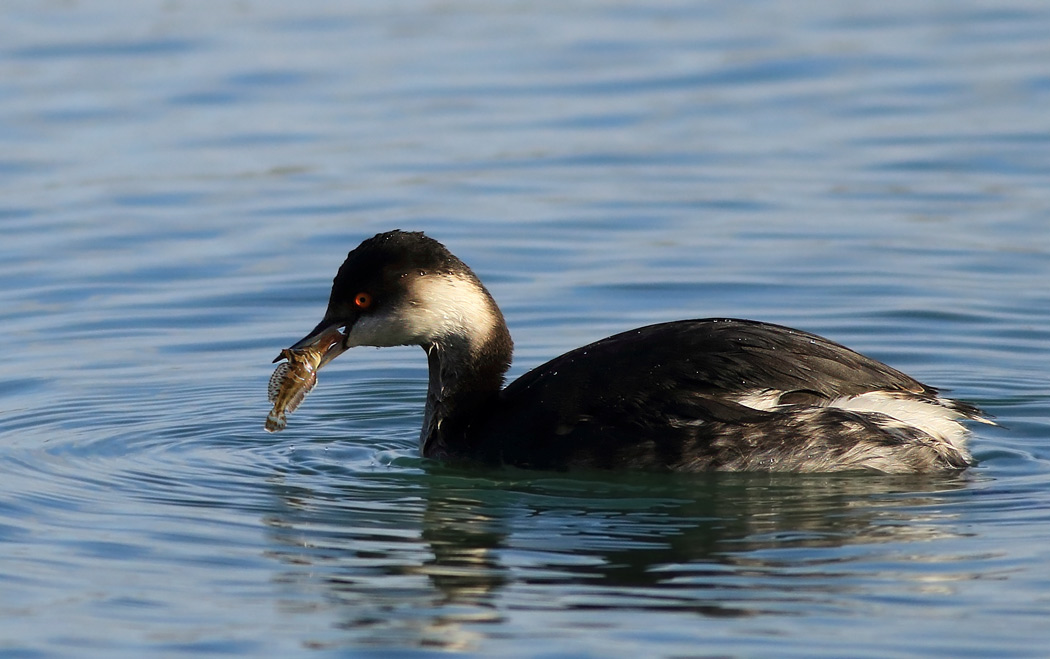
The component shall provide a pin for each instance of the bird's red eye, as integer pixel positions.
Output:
(362, 300)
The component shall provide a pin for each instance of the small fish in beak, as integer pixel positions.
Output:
(293, 379)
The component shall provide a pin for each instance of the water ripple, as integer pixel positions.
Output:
(179, 188)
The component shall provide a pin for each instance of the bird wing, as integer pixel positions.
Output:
(683, 374)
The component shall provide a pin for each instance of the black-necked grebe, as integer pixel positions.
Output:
(690, 395)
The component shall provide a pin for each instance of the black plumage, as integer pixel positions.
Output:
(687, 395)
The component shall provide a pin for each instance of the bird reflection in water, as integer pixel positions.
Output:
(470, 548)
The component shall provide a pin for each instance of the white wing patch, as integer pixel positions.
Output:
(931, 427)
(935, 419)
(765, 400)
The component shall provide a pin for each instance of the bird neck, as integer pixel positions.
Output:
(465, 380)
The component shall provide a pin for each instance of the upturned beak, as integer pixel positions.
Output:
(327, 340)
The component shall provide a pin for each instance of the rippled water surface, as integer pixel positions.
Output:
(180, 180)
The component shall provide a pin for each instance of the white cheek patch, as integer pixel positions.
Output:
(436, 308)
(452, 306)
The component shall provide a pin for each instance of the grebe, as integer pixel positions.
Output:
(690, 395)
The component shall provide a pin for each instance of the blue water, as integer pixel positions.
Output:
(179, 182)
